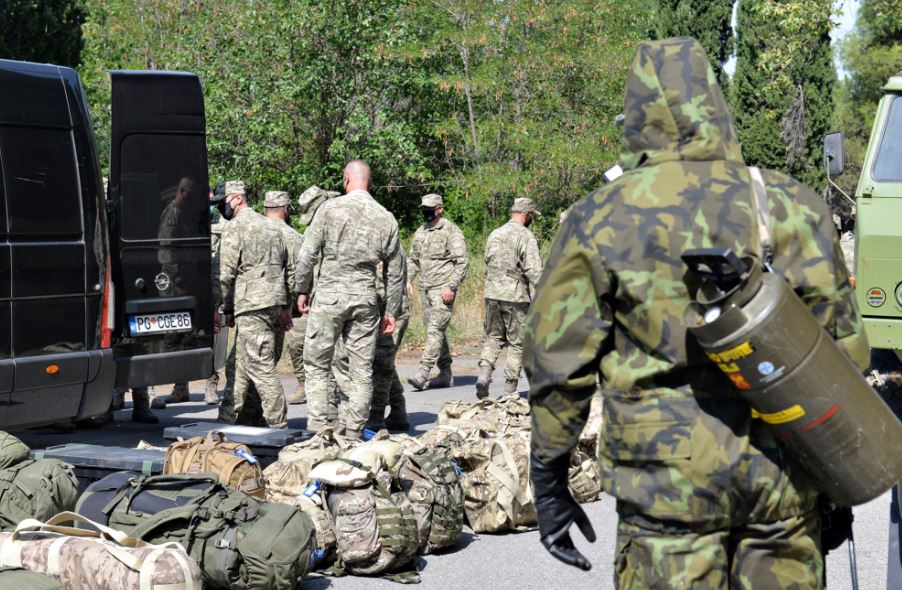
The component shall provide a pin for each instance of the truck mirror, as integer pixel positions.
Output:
(833, 154)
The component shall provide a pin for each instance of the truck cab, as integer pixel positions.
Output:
(878, 235)
(95, 293)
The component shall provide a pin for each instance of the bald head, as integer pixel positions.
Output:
(356, 176)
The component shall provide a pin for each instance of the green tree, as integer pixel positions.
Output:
(293, 88)
(42, 30)
(530, 91)
(871, 54)
(782, 90)
(709, 21)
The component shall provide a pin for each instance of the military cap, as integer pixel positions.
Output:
(310, 200)
(275, 199)
(432, 200)
(235, 187)
(525, 205)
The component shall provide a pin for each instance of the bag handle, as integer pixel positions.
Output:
(762, 214)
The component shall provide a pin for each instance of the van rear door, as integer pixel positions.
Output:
(160, 229)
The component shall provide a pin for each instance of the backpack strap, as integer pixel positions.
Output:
(762, 213)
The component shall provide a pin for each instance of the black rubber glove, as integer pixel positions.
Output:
(557, 510)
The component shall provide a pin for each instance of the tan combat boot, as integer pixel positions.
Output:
(211, 396)
(419, 380)
(179, 394)
(443, 379)
(483, 382)
(510, 386)
(299, 396)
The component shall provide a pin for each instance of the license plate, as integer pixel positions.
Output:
(158, 323)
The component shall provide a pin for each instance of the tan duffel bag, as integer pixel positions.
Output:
(101, 559)
(236, 465)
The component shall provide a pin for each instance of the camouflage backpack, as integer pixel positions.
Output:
(375, 528)
(504, 415)
(32, 488)
(239, 542)
(305, 455)
(96, 557)
(431, 482)
(236, 465)
(287, 483)
(497, 494)
(584, 474)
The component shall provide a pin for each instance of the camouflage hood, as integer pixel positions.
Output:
(674, 107)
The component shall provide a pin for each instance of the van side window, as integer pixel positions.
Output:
(41, 182)
(161, 196)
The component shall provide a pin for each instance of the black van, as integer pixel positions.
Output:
(97, 293)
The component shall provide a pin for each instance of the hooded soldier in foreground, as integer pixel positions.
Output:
(706, 496)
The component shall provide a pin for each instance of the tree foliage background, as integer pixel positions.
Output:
(479, 100)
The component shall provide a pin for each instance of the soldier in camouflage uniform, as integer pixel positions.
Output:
(350, 235)
(255, 271)
(438, 255)
(387, 388)
(706, 496)
(309, 203)
(513, 268)
(217, 224)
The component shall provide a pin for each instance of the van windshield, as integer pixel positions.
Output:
(161, 197)
(888, 166)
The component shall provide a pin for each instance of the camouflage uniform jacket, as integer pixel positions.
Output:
(438, 254)
(217, 224)
(293, 241)
(349, 236)
(254, 264)
(172, 257)
(679, 446)
(513, 263)
(404, 310)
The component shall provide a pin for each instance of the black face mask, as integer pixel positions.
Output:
(429, 215)
(225, 209)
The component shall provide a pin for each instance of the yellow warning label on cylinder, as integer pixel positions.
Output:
(734, 354)
(782, 417)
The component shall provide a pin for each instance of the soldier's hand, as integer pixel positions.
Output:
(285, 320)
(387, 327)
(448, 296)
(302, 303)
(557, 510)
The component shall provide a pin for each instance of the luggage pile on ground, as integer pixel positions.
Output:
(214, 519)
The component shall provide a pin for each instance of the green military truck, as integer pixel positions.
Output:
(878, 223)
(878, 259)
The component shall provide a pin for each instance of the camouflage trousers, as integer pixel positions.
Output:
(258, 346)
(295, 338)
(352, 320)
(387, 387)
(436, 317)
(780, 555)
(503, 326)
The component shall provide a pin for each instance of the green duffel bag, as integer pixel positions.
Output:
(239, 542)
(20, 579)
(32, 488)
(12, 450)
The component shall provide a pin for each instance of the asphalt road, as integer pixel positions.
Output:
(499, 562)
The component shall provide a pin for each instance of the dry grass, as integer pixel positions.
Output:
(466, 331)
